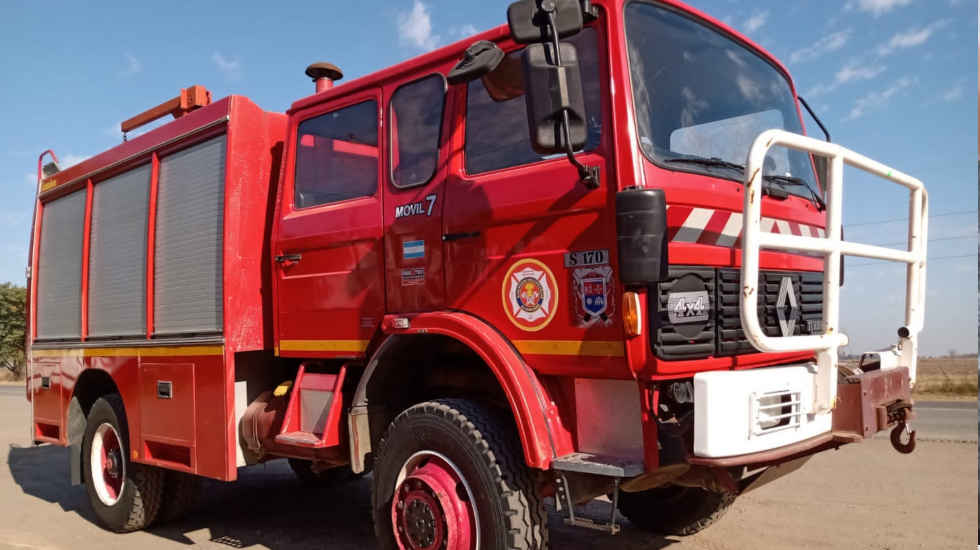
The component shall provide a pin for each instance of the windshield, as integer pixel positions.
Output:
(701, 95)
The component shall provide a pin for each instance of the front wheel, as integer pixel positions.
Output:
(450, 474)
(674, 510)
(125, 495)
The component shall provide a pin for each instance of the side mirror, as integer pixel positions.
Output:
(641, 233)
(479, 59)
(552, 89)
(529, 23)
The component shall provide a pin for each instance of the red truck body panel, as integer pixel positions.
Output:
(342, 298)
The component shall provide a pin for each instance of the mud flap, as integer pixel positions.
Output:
(76, 432)
(75, 464)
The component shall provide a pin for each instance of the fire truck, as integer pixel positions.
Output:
(586, 254)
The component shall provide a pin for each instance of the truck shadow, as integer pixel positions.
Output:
(268, 508)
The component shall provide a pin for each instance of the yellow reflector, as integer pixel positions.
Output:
(631, 314)
(283, 389)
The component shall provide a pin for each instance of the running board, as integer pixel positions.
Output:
(602, 465)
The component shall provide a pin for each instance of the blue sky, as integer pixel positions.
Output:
(893, 79)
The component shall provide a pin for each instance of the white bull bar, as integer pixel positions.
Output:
(832, 248)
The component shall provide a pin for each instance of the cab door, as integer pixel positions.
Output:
(327, 250)
(415, 194)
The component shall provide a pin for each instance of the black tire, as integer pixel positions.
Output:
(326, 478)
(485, 448)
(180, 492)
(142, 488)
(674, 510)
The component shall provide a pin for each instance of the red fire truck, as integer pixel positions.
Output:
(588, 253)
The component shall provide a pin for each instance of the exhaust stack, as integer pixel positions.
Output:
(324, 75)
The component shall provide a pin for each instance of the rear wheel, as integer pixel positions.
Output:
(673, 509)
(124, 495)
(450, 474)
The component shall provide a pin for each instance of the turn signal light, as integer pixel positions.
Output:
(632, 317)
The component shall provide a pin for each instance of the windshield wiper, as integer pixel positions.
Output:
(798, 182)
(773, 191)
(705, 161)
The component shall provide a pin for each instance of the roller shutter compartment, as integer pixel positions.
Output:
(117, 255)
(59, 286)
(190, 222)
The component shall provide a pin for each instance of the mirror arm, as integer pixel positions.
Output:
(815, 117)
(589, 175)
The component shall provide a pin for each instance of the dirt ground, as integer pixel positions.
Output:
(862, 496)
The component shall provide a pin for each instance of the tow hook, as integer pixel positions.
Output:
(896, 437)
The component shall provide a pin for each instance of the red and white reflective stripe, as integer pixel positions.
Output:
(688, 224)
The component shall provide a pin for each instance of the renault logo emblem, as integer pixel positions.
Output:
(787, 311)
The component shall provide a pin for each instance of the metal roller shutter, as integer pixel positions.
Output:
(59, 269)
(190, 222)
(117, 255)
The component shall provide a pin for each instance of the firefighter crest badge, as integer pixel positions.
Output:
(593, 294)
(530, 295)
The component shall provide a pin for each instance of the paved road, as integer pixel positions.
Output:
(863, 496)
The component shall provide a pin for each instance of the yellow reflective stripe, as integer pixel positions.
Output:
(48, 185)
(590, 348)
(131, 352)
(358, 346)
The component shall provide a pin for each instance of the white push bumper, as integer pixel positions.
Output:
(743, 412)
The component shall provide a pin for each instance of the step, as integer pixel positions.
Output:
(588, 463)
(300, 439)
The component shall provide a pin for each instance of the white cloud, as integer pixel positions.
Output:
(878, 99)
(911, 38)
(133, 65)
(415, 27)
(232, 68)
(756, 22)
(71, 160)
(848, 73)
(830, 43)
(954, 93)
(876, 8)
(463, 31)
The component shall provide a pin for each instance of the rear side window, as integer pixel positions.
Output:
(416, 118)
(337, 156)
(496, 131)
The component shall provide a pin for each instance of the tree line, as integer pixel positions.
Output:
(13, 300)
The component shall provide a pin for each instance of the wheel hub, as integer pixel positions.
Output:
(430, 511)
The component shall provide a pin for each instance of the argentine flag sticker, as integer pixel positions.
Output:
(413, 250)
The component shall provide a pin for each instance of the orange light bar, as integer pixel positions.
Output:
(189, 99)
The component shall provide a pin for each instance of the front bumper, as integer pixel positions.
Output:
(867, 403)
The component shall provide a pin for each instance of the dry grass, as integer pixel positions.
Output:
(949, 376)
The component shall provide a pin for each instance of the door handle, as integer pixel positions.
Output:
(288, 259)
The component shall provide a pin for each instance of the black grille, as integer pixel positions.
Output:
(722, 334)
(689, 340)
(807, 287)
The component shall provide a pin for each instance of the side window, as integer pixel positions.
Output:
(337, 156)
(496, 129)
(416, 119)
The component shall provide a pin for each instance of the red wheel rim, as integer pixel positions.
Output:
(432, 506)
(108, 468)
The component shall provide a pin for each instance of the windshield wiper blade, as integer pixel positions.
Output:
(798, 182)
(705, 161)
